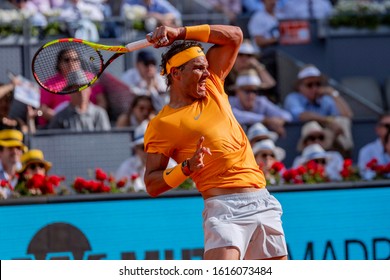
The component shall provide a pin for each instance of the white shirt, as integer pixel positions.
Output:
(264, 24)
(138, 85)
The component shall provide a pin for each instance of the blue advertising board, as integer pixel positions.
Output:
(322, 224)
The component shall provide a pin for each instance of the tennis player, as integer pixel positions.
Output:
(198, 130)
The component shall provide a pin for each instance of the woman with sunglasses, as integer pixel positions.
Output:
(313, 100)
(313, 133)
(267, 156)
(33, 162)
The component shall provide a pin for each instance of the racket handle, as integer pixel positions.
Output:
(138, 45)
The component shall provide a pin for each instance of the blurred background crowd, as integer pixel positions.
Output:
(301, 135)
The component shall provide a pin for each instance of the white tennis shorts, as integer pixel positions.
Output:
(249, 221)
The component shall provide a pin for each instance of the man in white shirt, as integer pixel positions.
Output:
(144, 79)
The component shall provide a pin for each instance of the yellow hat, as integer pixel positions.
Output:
(12, 138)
(34, 156)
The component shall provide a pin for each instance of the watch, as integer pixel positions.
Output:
(185, 167)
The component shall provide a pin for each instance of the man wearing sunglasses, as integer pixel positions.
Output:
(250, 107)
(313, 100)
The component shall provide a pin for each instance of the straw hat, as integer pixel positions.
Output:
(12, 138)
(269, 145)
(259, 131)
(34, 156)
(310, 128)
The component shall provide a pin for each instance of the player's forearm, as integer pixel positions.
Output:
(155, 184)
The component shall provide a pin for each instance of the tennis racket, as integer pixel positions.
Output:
(70, 65)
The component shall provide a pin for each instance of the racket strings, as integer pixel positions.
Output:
(65, 67)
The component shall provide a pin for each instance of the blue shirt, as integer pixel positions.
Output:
(297, 104)
(262, 108)
(368, 152)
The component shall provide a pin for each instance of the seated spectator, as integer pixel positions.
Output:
(68, 61)
(308, 9)
(81, 114)
(144, 79)
(80, 17)
(258, 132)
(247, 59)
(141, 109)
(377, 150)
(313, 100)
(6, 121)
(315, 153)
(30, 9)
(33, 162)
(158, 12)
(133, 168)
(112, 94)
(252, 6)
(11, 149)
(263, 29)
(267, 155)
(230, 8)
(313, 133)
(249, 107)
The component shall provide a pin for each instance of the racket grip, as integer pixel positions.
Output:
(138, 45)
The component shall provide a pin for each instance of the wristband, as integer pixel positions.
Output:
(198, 32)
(173, 177)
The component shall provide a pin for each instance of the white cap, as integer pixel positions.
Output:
(248, 80)
(269, 145)
(310, 71)
(259, 130)
(313, 151)
(139, 132)
(247, 48)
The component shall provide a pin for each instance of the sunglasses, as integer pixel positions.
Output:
(249, 91)
(313, 138)
(320, 161)
(70, 59)
(312, 84)
(34, 166)
(265, 155)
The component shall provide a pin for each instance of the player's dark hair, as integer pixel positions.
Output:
(176, 48)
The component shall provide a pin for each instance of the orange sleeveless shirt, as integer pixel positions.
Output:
(175, 133)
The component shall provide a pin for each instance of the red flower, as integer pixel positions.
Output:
(121, 183)
(134, 176)
(347, 162)
(6, 184)
(372, 163)
(277, 167)
(36, 181)
(100, 175)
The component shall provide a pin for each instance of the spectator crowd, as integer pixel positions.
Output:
(325, 145)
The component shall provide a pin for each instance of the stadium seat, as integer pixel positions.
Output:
(367, 88)
(387, 94)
